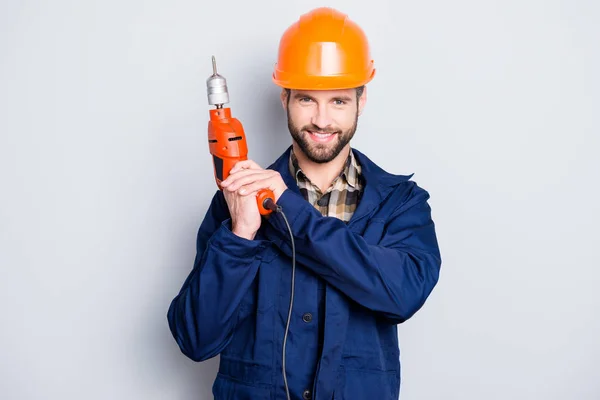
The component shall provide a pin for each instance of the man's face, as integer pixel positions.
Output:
(322, 122)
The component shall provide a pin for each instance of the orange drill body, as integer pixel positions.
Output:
(227, 145)
(226, 141)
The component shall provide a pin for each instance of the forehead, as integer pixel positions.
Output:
(325, 95)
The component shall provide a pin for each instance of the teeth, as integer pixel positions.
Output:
(322, 135)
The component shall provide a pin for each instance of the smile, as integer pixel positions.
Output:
(321, 137)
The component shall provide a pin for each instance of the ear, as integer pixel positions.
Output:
(283, 97)
(362, 101)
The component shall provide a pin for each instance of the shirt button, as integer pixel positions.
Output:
(306, 395)
(307, 317)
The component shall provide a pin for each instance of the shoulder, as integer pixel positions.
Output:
(370, 170)
(408, 194)
(401, 190)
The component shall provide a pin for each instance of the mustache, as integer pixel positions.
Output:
(314, 128)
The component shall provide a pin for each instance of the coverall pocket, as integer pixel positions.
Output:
(359, 384)
(225, 388)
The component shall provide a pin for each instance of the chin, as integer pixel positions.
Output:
(320, 156)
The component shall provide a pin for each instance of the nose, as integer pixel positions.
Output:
(321, 118)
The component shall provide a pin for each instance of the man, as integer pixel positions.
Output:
(365, 245)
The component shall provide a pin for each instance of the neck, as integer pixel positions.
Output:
(324, 174)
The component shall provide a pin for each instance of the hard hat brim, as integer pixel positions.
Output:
(331, 82)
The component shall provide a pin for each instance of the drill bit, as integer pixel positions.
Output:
(216, 86)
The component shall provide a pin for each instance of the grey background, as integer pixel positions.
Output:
(105, 176)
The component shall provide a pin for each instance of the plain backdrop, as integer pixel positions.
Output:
(105, 177)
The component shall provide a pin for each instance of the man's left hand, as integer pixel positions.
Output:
(247, 177)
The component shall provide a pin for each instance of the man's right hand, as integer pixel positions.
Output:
(245, 217)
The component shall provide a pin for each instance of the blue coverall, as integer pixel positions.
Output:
(354, 283)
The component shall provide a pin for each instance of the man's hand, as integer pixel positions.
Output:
(245, 218)
(245, 179)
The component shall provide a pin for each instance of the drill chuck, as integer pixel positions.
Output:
(216, 86)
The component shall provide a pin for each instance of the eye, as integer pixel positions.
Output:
(339, 102)
(304, 99)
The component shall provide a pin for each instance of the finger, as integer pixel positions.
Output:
(246, 179)
(243, 192)
(232, 179)
(255, 186)
(237, 175)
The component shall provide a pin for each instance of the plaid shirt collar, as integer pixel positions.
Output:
(350, 173)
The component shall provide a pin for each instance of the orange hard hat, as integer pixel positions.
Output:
(323, 50)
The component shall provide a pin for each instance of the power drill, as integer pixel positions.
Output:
(227, 144)
(226, 137)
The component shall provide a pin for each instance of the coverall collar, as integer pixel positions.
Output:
(378, 183)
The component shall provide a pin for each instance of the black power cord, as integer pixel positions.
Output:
(270, 205)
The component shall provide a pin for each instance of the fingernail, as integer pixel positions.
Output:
(242, 191)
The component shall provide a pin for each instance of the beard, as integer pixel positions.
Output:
(321, 152)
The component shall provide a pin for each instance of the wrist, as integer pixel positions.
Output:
(243, 233)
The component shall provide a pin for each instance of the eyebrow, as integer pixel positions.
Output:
(301, 95)
(343, 98)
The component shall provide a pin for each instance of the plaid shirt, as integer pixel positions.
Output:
(342, 197)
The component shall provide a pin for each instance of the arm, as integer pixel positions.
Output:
(394, 277)
(202, 316)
